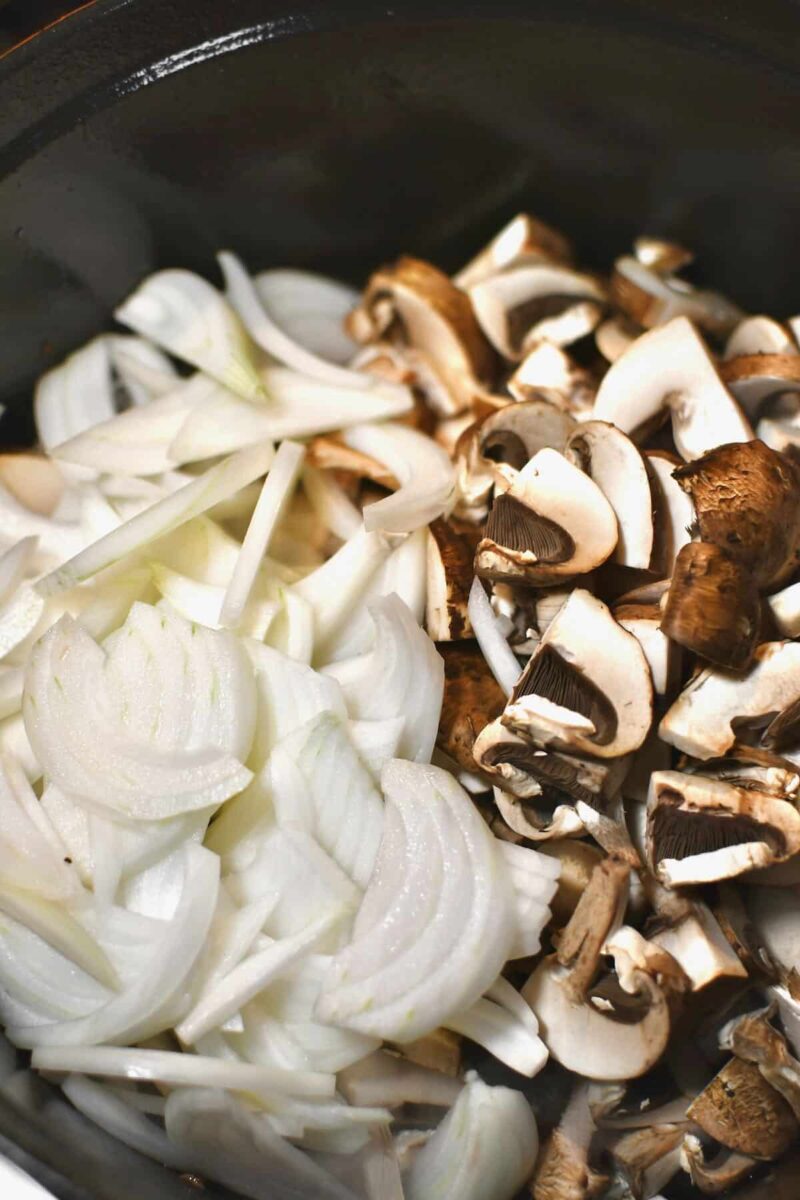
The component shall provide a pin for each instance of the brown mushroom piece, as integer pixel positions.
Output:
(673, 511)
(587, 686)
(775, 916)
(513, 435)
(651, 296)
(740, 1110)
(538, 824)
(715, 1174)
(450, 551)
(715, 706)
(753, 1039)
(760, 335)
(746, 500)
(578, 860)
(755, 378)
(701, 830)
(548, 373)
(524, 239)
(649, 1158)
(563, 1170)
(610, 458)
(780, 1182)
(689, 931)
(34, 481)
(475, 476)
(662, 654)
(669, 371)
(414, 300)
(713, 607)
(614, 335)
(330, 454)
(513, 303)
(472, 698)
(660, 254)
(553, 523)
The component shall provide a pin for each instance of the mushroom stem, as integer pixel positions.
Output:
(598, 910)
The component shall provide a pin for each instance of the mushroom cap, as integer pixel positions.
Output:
(713, 607)
(661, 255)
(599, 1042)
(472, 698)
(669, 369)
(34, 480)
(513, 435)
(662, 654)
(700, 722)
(548, 372)
(586, 665)
(740, 1110)
(524, 239)
(434, 317)
(450, 551)
(652, 297)
(610, 458)
(702, 830)
(509, 304)
(755, 378)
(553, 523)
(760, 335)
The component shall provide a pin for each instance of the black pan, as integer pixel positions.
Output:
(336, 133)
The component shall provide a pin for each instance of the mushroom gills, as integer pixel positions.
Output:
(515, 527)
(550, 675)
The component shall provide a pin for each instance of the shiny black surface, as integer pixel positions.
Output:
(140, 133)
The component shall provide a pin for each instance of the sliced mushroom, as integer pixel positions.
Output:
(524, 239)
(746, 499)
(586, 688)
(649, 1158)
(781, 1182)
(743, 937)
(548, 372)
(511, 304)
(514, 434)
(652, 297)
(35, 481)
(668, 370)
(779, 426)
(700, 830)
(475, 476)
(689, 931)
(523, 819)
(662, 654)
(417, 302)
(610, 458)
(329, 454)
(553, 523)
(472, 698)
(754, 1040)
(712, 607)
(775, 915)
(755, 378)
(661, 255)
(740, 1110)
(563, 1171)
(673, 511)
(527, 772)
(703, 720)
(449, 430)
(614, 335)
(760, 335)
(578, 861)
(451, 549)
(785, 609)
(712, 1176)
(564, 328)
(438, 1051)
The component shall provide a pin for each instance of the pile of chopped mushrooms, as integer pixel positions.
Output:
(420, 823)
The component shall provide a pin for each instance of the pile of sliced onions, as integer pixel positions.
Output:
(229, 875)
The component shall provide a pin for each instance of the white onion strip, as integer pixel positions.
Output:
(180, 1070)
(500, 658)
(106, 1108)
(272, 503)
(195, 498)
(422, 467)
(331, 503)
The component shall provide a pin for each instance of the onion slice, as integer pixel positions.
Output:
(423, 468)
(183, 313)
(500, 658)
(437, 920)
(312, 309)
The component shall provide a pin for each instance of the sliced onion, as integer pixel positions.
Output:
(311, 309)
(535, 878)
(382, 1178)
(338, 803)
(239, 830)
(240, 1149)
(30, 853)
(402, 676)
(221, 481)
(103, 1106)
(226, 996)
(376, 742)
(437, 921)
(289, 694)
(144, 371)
(422, 467)
(14, 565)
(292, 630)
(55, 925)
(484, 1149)
(90, 734)
(336, 586)
(494, 646)
(183, 313)
(74, 395)
(261, 309)
(331, 503)
(505, 1025)
(386, 1079)
(272, 503)
(202, 602)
